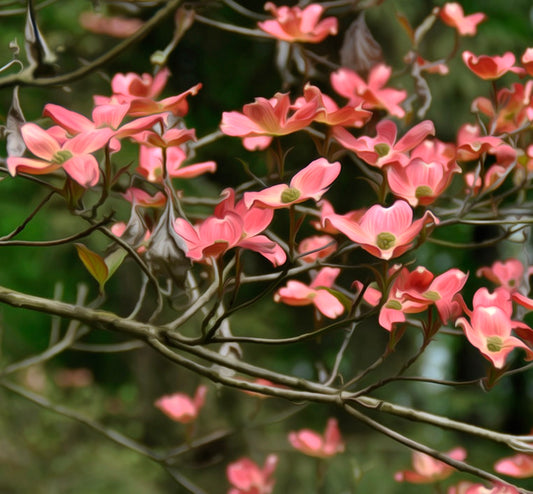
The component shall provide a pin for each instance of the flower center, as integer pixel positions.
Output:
(290, 195)
(385, 240)
(382, 149)
(423, 191)
(61, 156)
(494, 343)
(393, 304)
(432, 295)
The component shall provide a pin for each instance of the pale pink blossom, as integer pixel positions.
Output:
(296, 24)
(140, 197)
(491, 67)
(519, 465)
(371, 94)
(246, 477)
(118, 27)
(182, 408)
(317, 293)
(309, 183)
(384, 232)
(313, 444)
(427, 469)
(452, 14)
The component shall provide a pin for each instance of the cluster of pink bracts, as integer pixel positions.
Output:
(416, 169)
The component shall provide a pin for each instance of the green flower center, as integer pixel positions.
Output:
(423, 191)
(61, 156)
(382, 149)
(385, 240)
(393, 304)
(432, 295)
(290, 195)
(494, 344)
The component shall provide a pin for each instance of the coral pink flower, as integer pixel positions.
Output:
(487, 67)
(413, 292)
(151, 164)
(372, 94)
(210, 238)
(254, 221)
(73, 155)
(317, 293)
(329, 112)
(294, 24)
(427, 469)
(471, 145)
(452, 14)
(139, 92)
(140, 197)
(182, 408)
(527, 60)
(494, 489)
(313, 444)
(489, 330)
(309, 183)
(509, 274)
(519, 465)
(419, 182)
(247, 478)
(118, 27)
(268, 117)
(384, 232)
(316, 247)
(384, 149)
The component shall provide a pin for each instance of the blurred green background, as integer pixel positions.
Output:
(45, 452)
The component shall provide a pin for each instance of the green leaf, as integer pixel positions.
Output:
(95, 264)
(114, 260)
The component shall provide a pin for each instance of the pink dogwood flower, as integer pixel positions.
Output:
(118, 27)
(139, 92)
(488, 68)
(427, 469)
(151, 164)
(489, 330)
(309, 183)
(317, 293)
(316, 247)
(371, 94)
(313, 444)
(73, 155)
(383, 232)
(383, 149)
(246, 477)
(527, 60)
(508, 274)
(420, 182)
(182, 408)
(268, 117)
(519, 465)
(295, 24)
(453, 15)
(495, 488)
(329, 112)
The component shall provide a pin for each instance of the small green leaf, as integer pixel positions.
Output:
(114, 260)
(94, 263)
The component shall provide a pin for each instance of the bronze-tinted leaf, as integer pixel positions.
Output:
(360, 51)
(95, 264)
